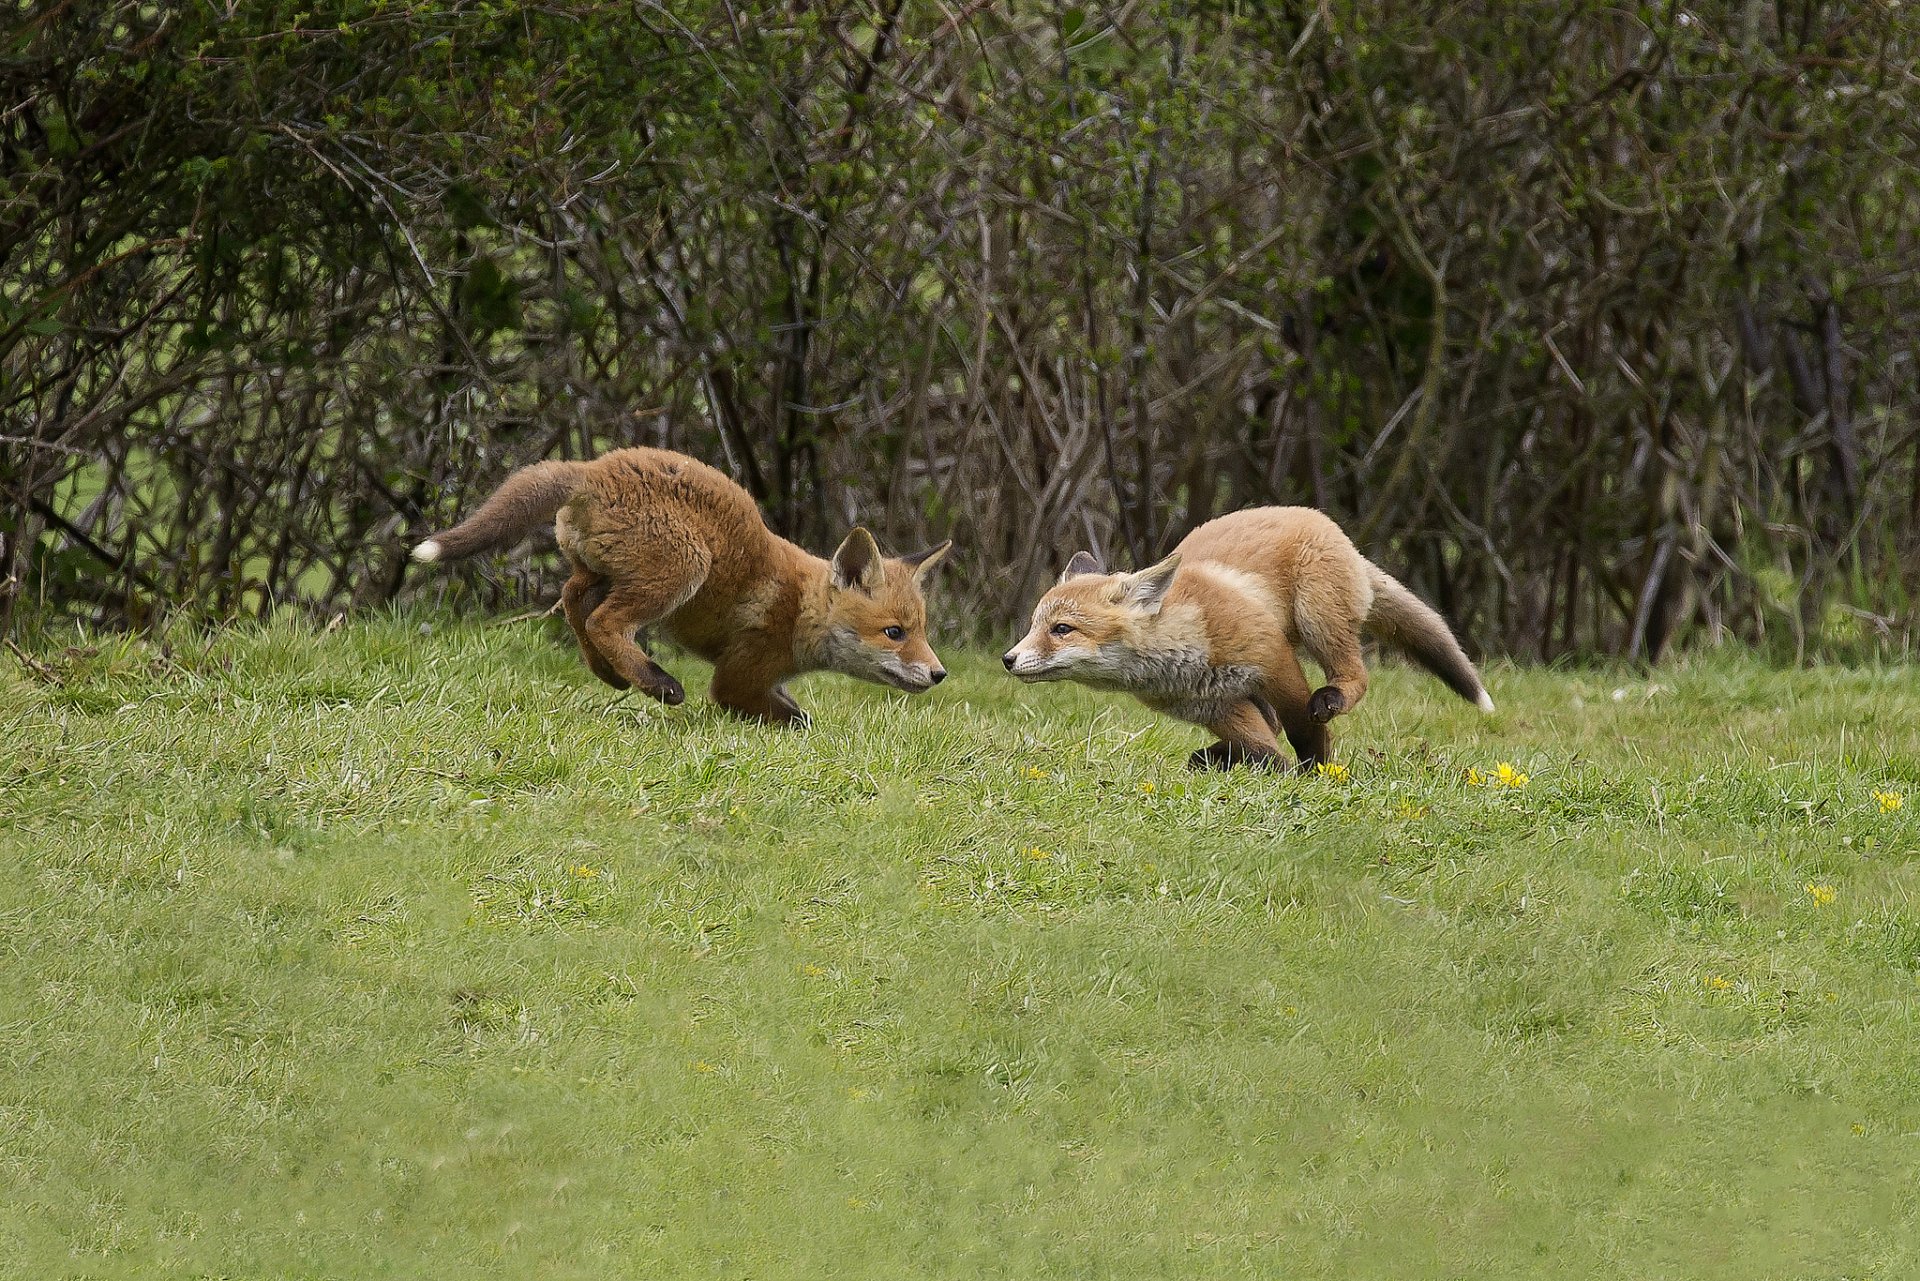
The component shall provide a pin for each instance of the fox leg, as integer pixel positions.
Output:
(1245, 739)
(1286, 691)
(1336, 647)
(629, 606)
(579, 598)
(745, 692)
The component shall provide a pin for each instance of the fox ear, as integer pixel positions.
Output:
(1147, 590)
(1082, 563)
(857, 563)
(924, 563)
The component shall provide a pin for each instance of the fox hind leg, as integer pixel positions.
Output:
(1336, 647)
(584, 592)
(628, 607)
(1287, 695)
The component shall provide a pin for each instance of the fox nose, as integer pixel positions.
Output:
(1007, 658)
(937, 675)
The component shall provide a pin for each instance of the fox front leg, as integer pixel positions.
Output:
(754, 699)
(1246, 738)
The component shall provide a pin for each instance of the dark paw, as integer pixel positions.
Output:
(1227, 755)
(1326, 703)
(659, 684)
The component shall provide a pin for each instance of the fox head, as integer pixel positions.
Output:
(1091, 626)
(875, 621)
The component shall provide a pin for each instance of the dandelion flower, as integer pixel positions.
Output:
(1889, 801)
(1507, 776)
(581, 872)
(1147, 788)
(1714, 983)
(1036, 854)
(1474, 777)
(1820, 893)
(1034, 771)
(1333, 770)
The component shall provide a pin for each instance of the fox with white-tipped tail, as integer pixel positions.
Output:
(1211, 634)
(656, 537)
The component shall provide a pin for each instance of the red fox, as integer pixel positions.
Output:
(1209, 634)
(655, 536)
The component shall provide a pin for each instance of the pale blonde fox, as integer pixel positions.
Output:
(1212, 633)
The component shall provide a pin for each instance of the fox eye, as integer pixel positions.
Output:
(894, 632)
(1064, 629)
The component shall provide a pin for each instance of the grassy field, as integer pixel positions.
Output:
(374, 953)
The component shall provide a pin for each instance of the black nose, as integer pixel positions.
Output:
(1008, 660)
(937, 677)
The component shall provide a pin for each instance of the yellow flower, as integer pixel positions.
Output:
(580, 871)
(1889, 801)
(1507, 776)
(1408, 810)
(701, 1065)
(1859, 1129)
(1820, 893)
(1147, 788)
(1333, 770)
(1714, 983)
(1034, 771)
(812, 971)
(1036, 854)
(1474, 777)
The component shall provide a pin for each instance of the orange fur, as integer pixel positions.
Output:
(1212, 633)
(655, 536)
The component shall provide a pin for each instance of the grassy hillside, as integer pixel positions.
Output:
(375, 953)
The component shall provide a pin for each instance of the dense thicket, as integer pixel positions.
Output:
(1596, 322)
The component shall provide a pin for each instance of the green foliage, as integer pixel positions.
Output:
(1575, 313)
(363, 951)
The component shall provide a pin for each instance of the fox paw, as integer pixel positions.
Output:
(658, 683)
(1326, 703)
(1225, 755)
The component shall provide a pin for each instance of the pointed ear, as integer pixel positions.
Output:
(857, 563)
(1147, 590)
(1082, 563)
(924, 563)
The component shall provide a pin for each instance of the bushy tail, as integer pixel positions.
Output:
(1411, 626)
(527, 499)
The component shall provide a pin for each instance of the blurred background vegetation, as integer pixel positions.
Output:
(1597, 323)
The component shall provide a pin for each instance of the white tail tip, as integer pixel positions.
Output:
(1484, 702)
(428, 552)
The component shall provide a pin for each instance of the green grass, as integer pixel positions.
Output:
(372, 953)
